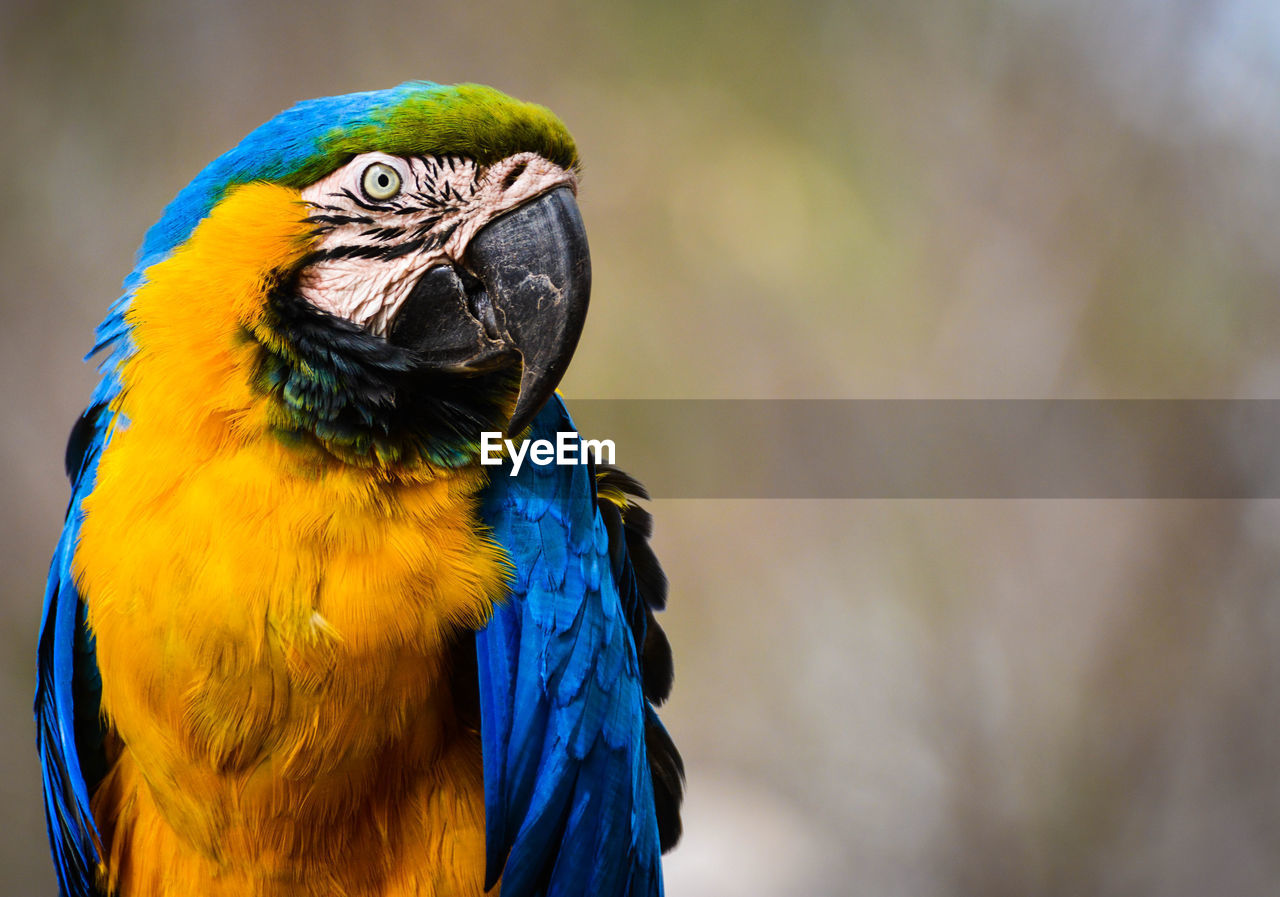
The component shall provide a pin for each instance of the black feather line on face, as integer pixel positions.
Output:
(337, 219)
(383, 234)
(366, 401)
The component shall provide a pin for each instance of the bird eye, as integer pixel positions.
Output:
(380, 181)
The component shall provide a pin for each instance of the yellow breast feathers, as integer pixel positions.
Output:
(276, 631)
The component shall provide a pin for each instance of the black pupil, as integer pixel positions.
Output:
(383, 180)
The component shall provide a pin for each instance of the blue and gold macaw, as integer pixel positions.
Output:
(296, 639)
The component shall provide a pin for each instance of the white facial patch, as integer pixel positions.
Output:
(371, 252)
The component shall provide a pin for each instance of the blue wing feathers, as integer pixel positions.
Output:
(68, 688)
(643, 587)
(569, 798)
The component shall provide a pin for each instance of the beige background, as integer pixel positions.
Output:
(878, 199)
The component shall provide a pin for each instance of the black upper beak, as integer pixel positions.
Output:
(525, 294)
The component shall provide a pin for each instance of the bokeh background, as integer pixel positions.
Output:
(986, 198)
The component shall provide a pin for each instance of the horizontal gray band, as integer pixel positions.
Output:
(942, 448)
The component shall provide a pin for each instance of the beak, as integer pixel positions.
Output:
(536, 270)
(525, 294)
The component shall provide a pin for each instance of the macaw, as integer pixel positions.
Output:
(296, 638)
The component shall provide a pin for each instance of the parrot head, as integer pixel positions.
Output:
(381, 276)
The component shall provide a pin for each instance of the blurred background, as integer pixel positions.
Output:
(982, 199)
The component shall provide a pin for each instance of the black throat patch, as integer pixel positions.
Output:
(366, 401)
